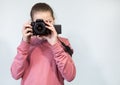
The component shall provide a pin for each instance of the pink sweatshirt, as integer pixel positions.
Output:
(39, 63)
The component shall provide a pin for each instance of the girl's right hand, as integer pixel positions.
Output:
(27, 32)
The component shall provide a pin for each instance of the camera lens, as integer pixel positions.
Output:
(39, 28)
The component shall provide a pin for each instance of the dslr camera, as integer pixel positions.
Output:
(39, 28)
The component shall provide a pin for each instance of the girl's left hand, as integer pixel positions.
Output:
(52, 38)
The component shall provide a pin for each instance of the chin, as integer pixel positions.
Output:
(40, 38)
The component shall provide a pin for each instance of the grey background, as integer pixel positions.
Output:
(92, 26)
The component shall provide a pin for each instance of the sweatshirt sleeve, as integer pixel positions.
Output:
(64, 61)
(20, 62)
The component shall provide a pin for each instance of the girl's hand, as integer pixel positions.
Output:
(52, 38)
(27, 32)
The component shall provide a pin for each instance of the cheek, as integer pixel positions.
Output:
(40, 38)
(52, 22)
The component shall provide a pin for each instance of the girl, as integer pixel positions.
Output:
(42, 60)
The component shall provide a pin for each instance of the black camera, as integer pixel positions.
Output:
(39, 28)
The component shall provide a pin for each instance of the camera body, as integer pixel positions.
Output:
(39, 28)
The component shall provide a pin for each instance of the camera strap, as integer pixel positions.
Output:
(66, 48)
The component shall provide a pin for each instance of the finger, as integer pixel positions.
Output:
(27, 26)
(50, 28)
(29, 34)
(48, 23)
(27, 30)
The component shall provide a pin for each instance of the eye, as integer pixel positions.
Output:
(46, 20)
(50, 21)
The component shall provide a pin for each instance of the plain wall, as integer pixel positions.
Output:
(92, 26)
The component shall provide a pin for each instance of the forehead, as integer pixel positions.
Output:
(45, 15)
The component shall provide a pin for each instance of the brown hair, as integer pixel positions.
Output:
(41, 7)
